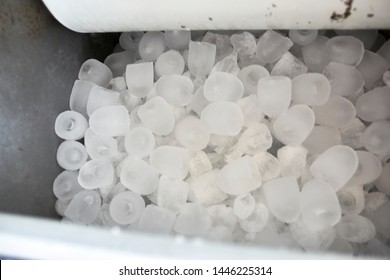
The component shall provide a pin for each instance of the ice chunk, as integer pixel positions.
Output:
(288, 65)
(223, 118)
(381, 219)
(383, 182)
(336, 166)
(139, 78)
(268, 165)
(100, 97)
(79, 96)
(319, 205)
(95, 72)
(71, 155)
(244, 205)
(227, 64)
(198, 101)
(250, 109)
(315, 55)
(257, 220)
(352, 134)
(271, 46)
(321, 138)
(337, 112)
(191, 133)
(351, 198)
(274, 95)
(168, 63)
(239, 176)
(294, 126)
(303, 37)
(118, 84)
(138, 176)
(99, 147)
(151, 45)
(110, 121)
(372, 68)
(384, 51)
(175, 89)
(222, 216)
(355, 228)
(250, 76)
(374, 105)
(70, 125)
(156, 115)
(177, 39)
(139, 142)
(369, 169)
(222, 86)
(171, 161)
(345, 49)
(292, 160)
(282, 196)
(171, 193)
(66, 186)
(376, 138)
(244, 43)
(126, 207)
(312, 89)
(117, 62)
(222, 43)
(201, 58)
(157, 219)
(199, 163)
(96, 173)
(193, 219)
(84, 207)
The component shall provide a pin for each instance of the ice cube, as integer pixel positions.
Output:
(271, 46)
(274, 95)
(239, 176)
(138, 176)
(127, 207)
(96, 173)
(383, 182)
(250, 110)
(384, 51)
(198, 102)
(107, 193)
(199, 163)
(227, 64)
(201, 58)
(222, 86)
(282, 196)
(223, 118)
(70, 125)
(222, 216)
(171, 161)
(193, 219)
(118, 84)
(367, 36)
(104, 218)
(139, 78)
(341, 246)
(139, 142)
(250, 76)
(376, 138)
(130, 40)
(374, 105)
(243, 43)
(315, 56)
(321, 138)
(175, 89)
(292, 160)
(177, 39)
(303, 37)
(100, 97)
(84, 207)
(222, 43)
(99, 147)
(60, 206)
(151, 45)
(268, 165)
(257, 220)
(244, 205)
(386, 78)
(369, 169)
(294, 126)
(381, 219)
(288, 65)
(351, 198)
(345, 49)
(336, 166)
(156, 115)
(96, 72)
(373, 201)
(172, 193)
(355, 228)
(79, 96)
(66, 186)
(372, 68)
(110, 121)
(312, 89)
(117, 62)
(71, 155)
(336, 112)
(168, 63)
(157, 219)
(352, 134)
(191, 133)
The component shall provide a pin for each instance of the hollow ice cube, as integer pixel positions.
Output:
(303, 37)
(376, 138)
(257, 220)
(96, 173)
(79, 96)
(192, 134)
(171, 161)
(221, 86)
(351, 199)
(374, 105)
(66, 186)
(175, 89)
(71, 155)
(177, 39)
(156, 114)
(244, 205)
(84, 207)
(100, 97)
(201, 58)
(96, 72)
(336, 166)
(336, 112)
(292, 160)
(250, 76)
(168, 63)
(70, 125)
(126, 207)
(110, 121)
(157, 219)
(312, 89)
(372, 68)
(274, 95)
(193, 219)
(345, 49)
(139, 78)
(172, 193)
(288, 65)
(151, 45)
(383, 182)
(117, 62)
(294, 126)
(282, 196)
(271, 46)
(223, 118)
(355, 228)
(369, 169)
(99, 147)
(268, 165)
(321, 138)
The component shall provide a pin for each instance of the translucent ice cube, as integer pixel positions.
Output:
(336, 112)
(107, 193)
(374, 105)
(244, 205)
(321, 138)
(101, 97)
(130, 40)
(341, 246)
(156, 115)
(139, 78)
(345, 49)
(126, 207)
(172, 193)
(351, 199)
(381, 219)
(71, 155)
(303, 37)
(227, 64)
(70, 125)
(244, 43)
(139, 142)
(170, 62)
(117, 62)
(199, 163)
(268, 165)
(171, 161)
(96, 72)
(250, 110)
(118, 84)
(369, 169)
(352, 134)
(386, 78)
(79, 96)
(175, 89)
(198, 101)
(66, 186)
(201, 58)
(222, 43)
(96, 173)
(250, 76)
(60, 206)
(292, 160)
(151, 45)
(315, 56)
(257, 220)
(222, 86)
(312, 89)
(376, 138)
(384, 51)
(223, 118)
(274, 95)
(84, 207)
(193, 219)
(177, 39)
(355, 228)
(294, 126)
(373, 201)
(367, 37)
(383, 182)
(282, 196)
(191, 133)
(99, 147)
(271, 46)
(110, 121)
(222, 215)
(336, 166)
(288, 65)
(372, 68)
(157, 219)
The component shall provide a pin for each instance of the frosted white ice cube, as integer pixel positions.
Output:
(129, 40)
(303, 37)
(268, 165)
(168, 63)
(355, 228)
(96, 173)
(244, 205)
(376, 138)
(222, 43)
(367, 36)
(117, 62)
(336, 112)
(191, 133)
(118, 84)
(171, 161)
(312, 89)
(100, 97)
(292, 160)
(228, 64)
(271, 46)
(126, 207)
(250, 110)
(199, 163)
(151, 45)
(250, 76)
(282, 196)
(321, 138)
(374, 105)
(222, 216)
(193, 219)
(244, 43)
(274, 95)
(60, 206)
(372, 68)
(175, 89)
(96, 72)
(373, 201)
(79, 96)
(66, 185)
(172, 193)
(221, 86)
(369, 169)
(383, 182)
(336, 166)
(110, 121)
(201, 58)
(352, 134)
(70, 125)
(156, 115)
(107, 193)
(294, 126)
(139, 142)
(288, 65)
(71, 155)
(351, 199)
(157, 219)
(177, 39)
(381, 219)
(257, 220)
(345, 49)
(139, 78)
(100, 146)
(198, 101)
(315, 55)
(84, 207)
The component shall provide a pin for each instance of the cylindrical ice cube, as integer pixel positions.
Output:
(168, 63)
(271, 46)
(139, 78)
(171, 161)
(96, 173)
(175, 89)
(110, 121)
(71, 155)
(250, 76)
(312, 89)
(96, 72)
(222, 86)
(66, 186)
(177, 39)
(126, 207)
(321, 138)
(303, 37)
(369, 169)
(117, 62)
(201, 58)
(100, 97)
(84, 207)
(139, 142)
(192, 134)
(374, 105)
(376, 138)
(79, 96)
(151, 45)
(345, 49)
(315, 56)
(100, 146)
(70, 125)
(372, 68)
(351, 199)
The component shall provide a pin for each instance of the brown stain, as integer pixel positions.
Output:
(370, 15)
(335, 16)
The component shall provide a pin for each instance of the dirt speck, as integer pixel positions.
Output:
(370, 15)
(345, 14)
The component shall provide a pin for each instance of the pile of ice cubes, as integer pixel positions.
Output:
(271, 137)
